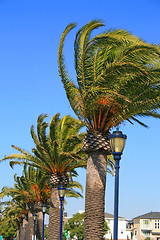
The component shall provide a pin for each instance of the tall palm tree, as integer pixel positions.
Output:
(57, 153)
(117, 79)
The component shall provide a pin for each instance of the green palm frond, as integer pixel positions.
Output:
(31, 187)
(57, 146)
(71, 192)
(80, 45)
(52, 127)
(117, 77)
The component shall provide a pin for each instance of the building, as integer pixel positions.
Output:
(123, 231)
(143, 227)
(146, 226)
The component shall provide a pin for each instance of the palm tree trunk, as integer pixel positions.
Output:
(18, 233)
(25, 223)
(39, 225)
(30, 226)
(23, 230)
(95, 196)
(54, 214)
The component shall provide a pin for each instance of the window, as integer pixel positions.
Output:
(145, 222)
(157, 224)
(146, 233)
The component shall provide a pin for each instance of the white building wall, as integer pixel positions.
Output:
(123, 232)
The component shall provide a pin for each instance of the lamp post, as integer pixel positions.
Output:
(61, 192)
(43, 212)
(117, 142)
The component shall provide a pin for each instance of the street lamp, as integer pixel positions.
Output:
(117, 142)
(43, 212)
(61, 192)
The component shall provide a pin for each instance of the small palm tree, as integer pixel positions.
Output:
(28, 195)
(57, 153)
(13, 216)
(31, 195)
(34, 191)
(118, 79)
(8, 228)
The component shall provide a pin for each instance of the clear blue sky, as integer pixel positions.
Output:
(30, 85)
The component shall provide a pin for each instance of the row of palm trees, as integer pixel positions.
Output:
(30, 193)
(117, 80)
(53, 160)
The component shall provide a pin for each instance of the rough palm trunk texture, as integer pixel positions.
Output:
(54, 214)
(95, 195)
(39, 225)
(23, 230)
(30, 226)
(18, 235)
(25, 223)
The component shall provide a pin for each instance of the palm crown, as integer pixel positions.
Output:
(57, 152)
(32, 189)
(117, 75)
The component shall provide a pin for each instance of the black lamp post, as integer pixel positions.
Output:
(117, 142)
(43, 212)
(61, 192)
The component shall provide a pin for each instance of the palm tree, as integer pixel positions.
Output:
(57, 153)
(118, 77)
(32, 191)
(8, 226)
(31, 194)
(13, 219)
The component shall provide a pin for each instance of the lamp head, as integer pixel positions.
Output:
(61, 191)
(44, 207)
(34, 217)
(117, 142)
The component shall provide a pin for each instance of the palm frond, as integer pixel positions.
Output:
(118, 77)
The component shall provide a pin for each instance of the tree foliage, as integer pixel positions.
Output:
(29, 193)
(8, 224)
(117, 77)
(75, 226)
(57, 146)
